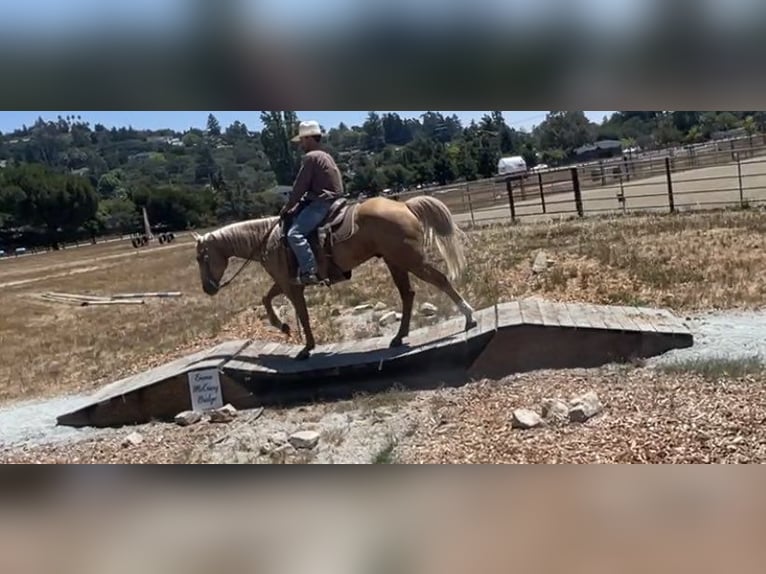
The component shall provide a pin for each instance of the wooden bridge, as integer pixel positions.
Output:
(521, 336)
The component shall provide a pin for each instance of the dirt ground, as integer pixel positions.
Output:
(689, 263)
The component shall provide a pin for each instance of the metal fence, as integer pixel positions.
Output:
(732, 174)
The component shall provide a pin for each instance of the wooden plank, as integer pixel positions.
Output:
(549, 314)
(509, 314)
(142, 295)
(593, 316)
(644, 324)
(609, 317)
(119, 302)
(365, 345)
(78, 297)
(633, 320)
(219, 356)
(530, 312)
(579, 316)
(628, 324)
(327, 349)
(663, 321)
(147, 378)
(486, 321)
(270, 348)
(563, 316)
(344, 347)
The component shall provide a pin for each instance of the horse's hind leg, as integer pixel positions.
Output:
(297, 298)
(402, 281)
(431, 275)
(274, 319)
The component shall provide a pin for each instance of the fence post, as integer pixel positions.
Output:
(542, 193)
(621, 197)
(739, 177)
(509, 188)
(467, 193)
(577, 193)
(671, 201)
(627, 168)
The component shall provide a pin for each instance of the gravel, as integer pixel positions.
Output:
(34, 422)
(729, 334)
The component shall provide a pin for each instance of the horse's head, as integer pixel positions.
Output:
(212, 264)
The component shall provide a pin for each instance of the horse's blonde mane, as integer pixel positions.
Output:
(243, 239)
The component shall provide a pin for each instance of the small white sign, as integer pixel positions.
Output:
(205, 390)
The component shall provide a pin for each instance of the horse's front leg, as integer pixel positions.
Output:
(298, 300)
(274, 319)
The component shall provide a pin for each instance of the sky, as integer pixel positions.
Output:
(180, 121)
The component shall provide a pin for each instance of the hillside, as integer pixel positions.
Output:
(65, 179)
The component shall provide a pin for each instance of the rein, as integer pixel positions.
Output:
(247, 261)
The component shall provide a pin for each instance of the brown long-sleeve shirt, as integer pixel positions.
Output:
(318, 178)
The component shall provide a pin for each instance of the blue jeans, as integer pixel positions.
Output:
(307, 220)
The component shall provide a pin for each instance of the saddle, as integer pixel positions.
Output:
(338, 226)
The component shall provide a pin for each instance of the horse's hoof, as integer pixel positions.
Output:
(397, 342)
(303, 355)
(470, 324)
(285, 328)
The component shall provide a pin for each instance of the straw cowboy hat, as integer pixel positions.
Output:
(308, 129)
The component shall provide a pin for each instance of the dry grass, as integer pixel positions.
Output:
(683, 262)
(46, 348)
(718, 368)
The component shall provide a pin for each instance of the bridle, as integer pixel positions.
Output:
(204, 260)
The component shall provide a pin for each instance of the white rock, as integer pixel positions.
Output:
(428, 310)
(278, 438)
(584, 407)
(540, 263)
(379, 306)
(526, 419)
(389, 318)
(187, 418)
(225, 414)
(286, 449)
(359, 309)
(133, 439)
(555, 410)
(306, 439)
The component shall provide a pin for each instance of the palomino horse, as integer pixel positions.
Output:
(397, 232)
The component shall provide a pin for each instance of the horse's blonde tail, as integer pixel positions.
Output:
(440, 228)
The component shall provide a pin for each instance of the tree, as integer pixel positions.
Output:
(443, 168)
(60, 204)
(565, 130)
(213, 127)
(118, 215)
(284, 157)
(374, 136)
(395, 130)
(748, 124)
(112, 184)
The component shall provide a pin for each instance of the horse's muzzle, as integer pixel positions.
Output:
(210, 288)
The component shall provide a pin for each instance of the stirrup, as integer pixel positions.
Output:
(307, 279)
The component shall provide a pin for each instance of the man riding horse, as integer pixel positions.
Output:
(316, 187)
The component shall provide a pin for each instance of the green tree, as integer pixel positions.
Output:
(565, 131)
(284, 157)
(213, 127)
(374, 136)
